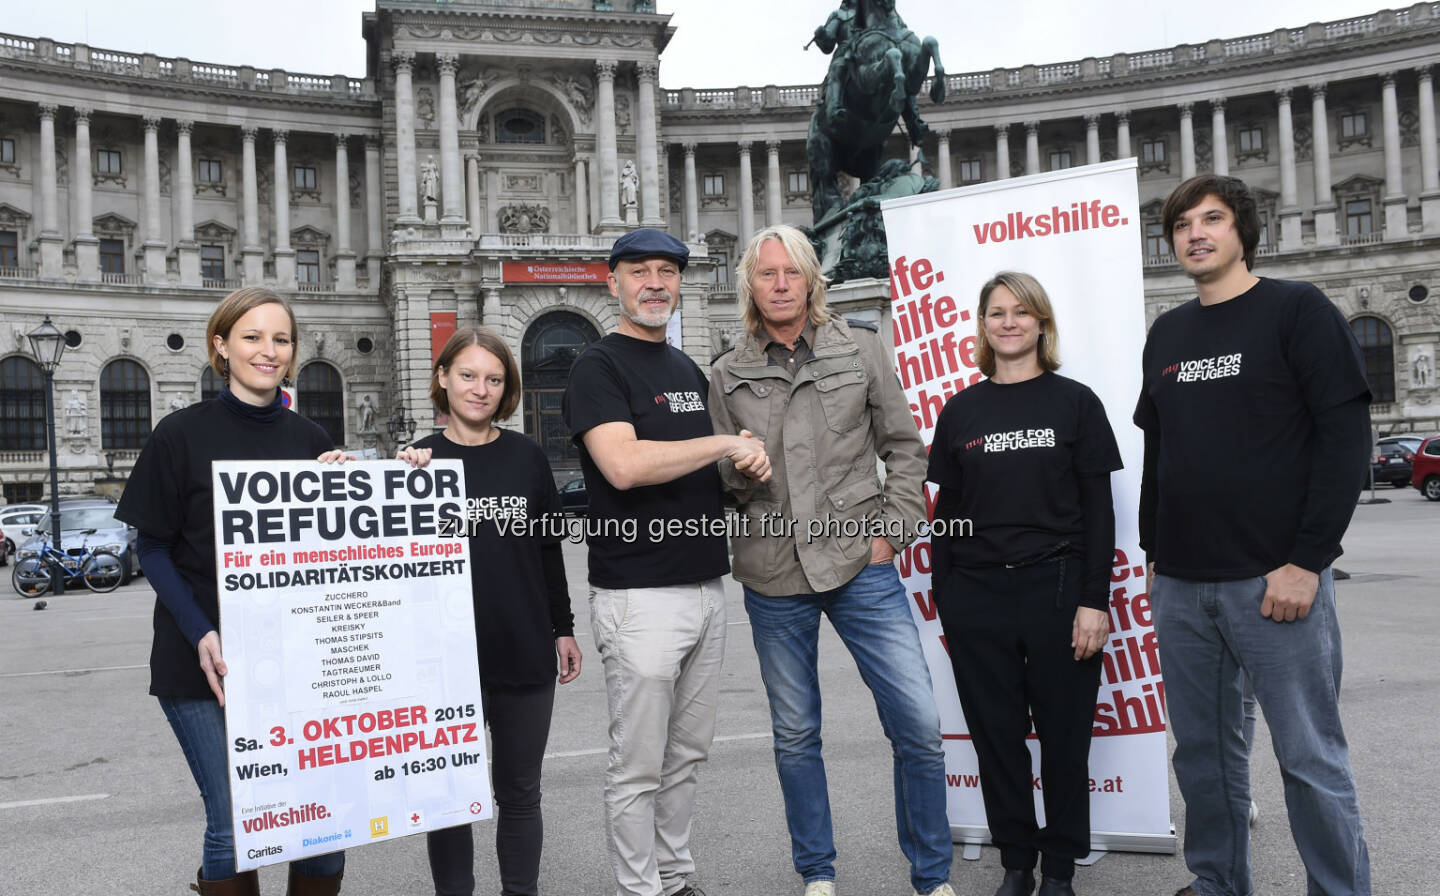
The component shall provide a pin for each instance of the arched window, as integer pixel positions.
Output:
(211, 385)
(549, 348)
(519, 126)
(124, 405)
(321, 397)
(1377, 348)
(22, 405)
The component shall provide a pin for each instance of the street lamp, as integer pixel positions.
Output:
(400, 427)
(47, 344)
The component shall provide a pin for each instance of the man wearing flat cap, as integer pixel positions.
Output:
(636, 408)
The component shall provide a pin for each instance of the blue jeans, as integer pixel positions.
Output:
(871, 614)
(1209, 632)
(199, 726)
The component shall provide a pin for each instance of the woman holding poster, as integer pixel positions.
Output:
(1024, 460)
(522, 602)
(252, 337)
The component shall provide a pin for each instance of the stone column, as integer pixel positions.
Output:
(605, 145)
(692, 197)
(472, 194)
(1123, 149)
(746, 188)
(1325, 228)
(252, 253)
(87, 247)
(1220, 154)
(52, 244)
(942, 152)
(492, 201)
(1429, 165)
(1002, 151)
(404, 62)
(284, 256)
(1396, 227)
(344, 253)
(184, 199)
(1187, 141)
(374, 213)
(646, 147)
(773, 196)
(1032, 147)
(1092, 139)
(452, 196)
(582, 197)
(1289, 194)
(154, 245)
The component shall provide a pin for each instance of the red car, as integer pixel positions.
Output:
(1425, 468)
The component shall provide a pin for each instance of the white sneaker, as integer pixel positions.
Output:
(1254, 813)
(942, 890)
(820, 888)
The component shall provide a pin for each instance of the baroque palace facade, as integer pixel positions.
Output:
(480, 170)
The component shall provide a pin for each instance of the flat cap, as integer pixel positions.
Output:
(647, 242)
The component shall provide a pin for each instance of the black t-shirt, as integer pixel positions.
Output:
(1228, 404)
(1013, 452)
(659, 390)
(169, 498)
(513, 516)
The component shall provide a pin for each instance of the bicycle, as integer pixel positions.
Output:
(101, 571)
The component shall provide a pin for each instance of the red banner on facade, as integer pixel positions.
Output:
(554, 271)
(442, 327)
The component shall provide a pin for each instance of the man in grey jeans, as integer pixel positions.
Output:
(636, 408)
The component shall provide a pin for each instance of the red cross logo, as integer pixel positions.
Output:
(475, 808)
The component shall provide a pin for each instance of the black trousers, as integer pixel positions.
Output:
(1008, 633)
(519, 729)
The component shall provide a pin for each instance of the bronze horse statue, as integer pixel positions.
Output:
(877, 68)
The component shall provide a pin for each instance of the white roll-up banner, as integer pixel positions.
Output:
(1078, 232)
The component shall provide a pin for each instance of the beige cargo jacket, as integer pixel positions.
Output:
(809, 528)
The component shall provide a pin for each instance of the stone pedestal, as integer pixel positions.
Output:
(1326, 233)
(1430, 213)
(252, 265)
(52, 255)
(1397, 227)
(345, 271)
(87, 258)
(285, 268)
(189, 251)
(431, 208)
(154, 253)
(1290, 239)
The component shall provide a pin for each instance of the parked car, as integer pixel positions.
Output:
(1391, 463)
(1425, 474)
(573, 497)
(13, 519)
(91, 520)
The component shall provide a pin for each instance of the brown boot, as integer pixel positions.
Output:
(301, 885)
(246, 883)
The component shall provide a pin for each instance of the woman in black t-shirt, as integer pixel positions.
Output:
(522, 601)
(1023, 540)
(252, 337)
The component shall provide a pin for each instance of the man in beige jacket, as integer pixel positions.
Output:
(820, 537)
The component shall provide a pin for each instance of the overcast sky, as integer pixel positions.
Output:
(718, 43)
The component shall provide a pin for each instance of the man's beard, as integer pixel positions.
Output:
(650, 320)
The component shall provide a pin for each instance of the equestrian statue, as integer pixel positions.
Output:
(877, 66)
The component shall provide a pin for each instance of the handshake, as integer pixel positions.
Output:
(748, 455)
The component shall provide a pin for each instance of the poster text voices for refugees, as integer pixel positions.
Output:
(353, 701)
(1077, 231)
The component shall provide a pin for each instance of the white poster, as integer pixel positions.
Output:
(352, 704)
(1078, 232)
